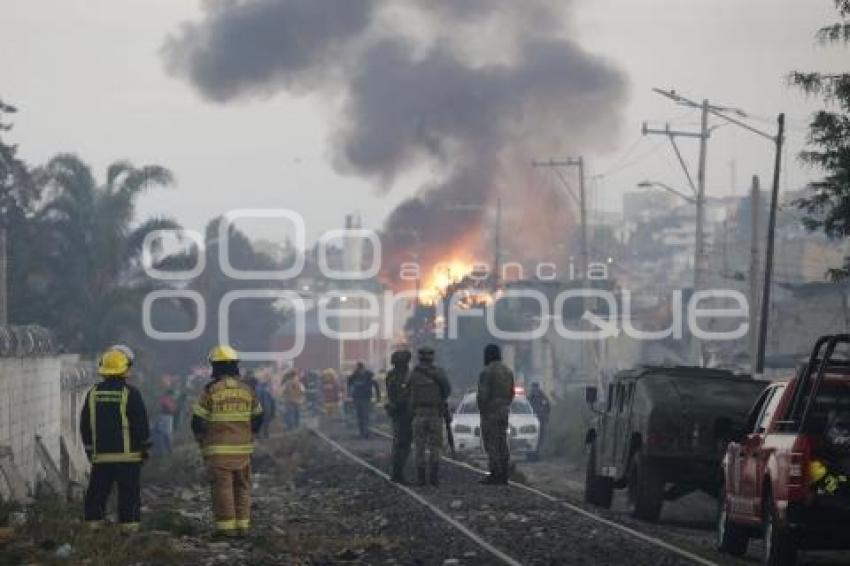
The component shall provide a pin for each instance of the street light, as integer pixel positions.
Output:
(668, 188)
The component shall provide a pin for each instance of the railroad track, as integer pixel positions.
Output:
(586, 537)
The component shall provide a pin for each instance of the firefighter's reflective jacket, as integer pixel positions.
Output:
(226, 417)
(114, 423)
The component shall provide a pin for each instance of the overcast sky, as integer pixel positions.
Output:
(87, 77)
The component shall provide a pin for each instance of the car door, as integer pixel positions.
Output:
(735, 461)
(752, 456)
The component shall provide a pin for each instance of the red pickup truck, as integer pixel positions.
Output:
(785, 477)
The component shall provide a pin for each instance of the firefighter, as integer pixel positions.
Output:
(116, 436)
(224, 421)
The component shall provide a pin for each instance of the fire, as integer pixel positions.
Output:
(442, 275)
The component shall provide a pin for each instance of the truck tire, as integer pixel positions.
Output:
(731, 538)
(598, 490)
(780, 548)
(645, 489)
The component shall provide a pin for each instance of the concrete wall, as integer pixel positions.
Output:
(30, 407)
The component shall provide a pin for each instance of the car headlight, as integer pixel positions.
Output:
(463, 429)
(528, 429)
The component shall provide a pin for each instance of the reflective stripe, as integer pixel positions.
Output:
(199, 411)
(95, 525)
(225, 450)
(93, 415)
(125, 422)
(117, 457)
(258, 410)
(226, 525)
(239, 417)
(130, 527)
(243, 524)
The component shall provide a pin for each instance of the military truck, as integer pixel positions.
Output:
(661, 434)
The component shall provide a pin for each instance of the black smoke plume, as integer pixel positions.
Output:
(475, 104)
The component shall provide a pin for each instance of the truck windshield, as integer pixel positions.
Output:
(833, 398)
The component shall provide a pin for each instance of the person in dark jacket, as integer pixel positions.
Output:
(495, 395)
(361, 384)
(116, 436)
(540, 403)
(398, 409)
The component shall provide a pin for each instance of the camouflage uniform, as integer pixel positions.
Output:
(429, 390)
(495, 394)
(398, 409)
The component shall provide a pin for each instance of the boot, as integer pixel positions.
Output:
(420, 472)
(398, 475)
(489, 479)
(435, 474)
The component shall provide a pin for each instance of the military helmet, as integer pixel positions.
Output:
(426, 353)
(223, 353)
(400, 357)
(113, 363)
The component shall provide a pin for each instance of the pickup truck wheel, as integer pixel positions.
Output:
(780, 549)
(598, 490)
(645, 489)
(731, 538)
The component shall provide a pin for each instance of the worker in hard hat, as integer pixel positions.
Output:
(225, 420)
(115, 432)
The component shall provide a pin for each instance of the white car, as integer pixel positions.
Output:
(523, 433)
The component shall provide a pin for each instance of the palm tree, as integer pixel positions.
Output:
(89, 250)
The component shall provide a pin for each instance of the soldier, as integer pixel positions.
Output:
(495, 395)
(398, 409)
(429, 389)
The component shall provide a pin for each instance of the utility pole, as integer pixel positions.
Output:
(755, 268)
(771, 236)
(497, 245)
(4, 270)
(585, 256)
(698, 188)
(582, 200)
(778, 140)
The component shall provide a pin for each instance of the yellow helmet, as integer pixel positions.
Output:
(817, 471)
(223, 353)
(113, 363)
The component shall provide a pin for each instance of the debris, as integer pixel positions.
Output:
(456, 504)
(64, 551)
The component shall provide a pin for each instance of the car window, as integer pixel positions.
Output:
(755, 412)
(469, 408)
(769, 410)
(521, 407)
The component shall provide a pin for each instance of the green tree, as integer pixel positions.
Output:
(827, 205)
(88, 251)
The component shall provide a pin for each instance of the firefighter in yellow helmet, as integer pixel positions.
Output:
(115, 433)
(225, 420)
